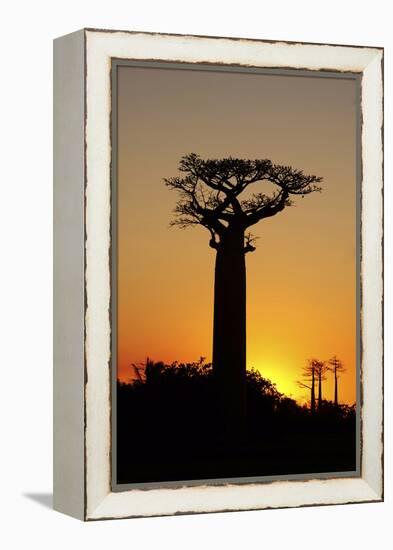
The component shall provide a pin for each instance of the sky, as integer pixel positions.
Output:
(301, 280)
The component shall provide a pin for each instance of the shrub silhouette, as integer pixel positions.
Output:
(169, 427)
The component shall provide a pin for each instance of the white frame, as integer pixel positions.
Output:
(90, 496)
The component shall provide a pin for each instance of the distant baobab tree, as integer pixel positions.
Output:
(209, 195)
(321, 367)
(336, 367)
(309, 375)
(313, 372)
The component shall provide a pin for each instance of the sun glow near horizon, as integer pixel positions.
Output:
(280, 374)
(301, 279)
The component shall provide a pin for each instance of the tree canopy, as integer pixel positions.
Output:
(209, 193)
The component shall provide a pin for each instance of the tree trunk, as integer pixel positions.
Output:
(319, 390)
(335, 388)
(312, 391)
(229, 331)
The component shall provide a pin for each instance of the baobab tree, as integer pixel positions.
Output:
(309, 374)
(336, 366)
(210, 195)
(321, 367)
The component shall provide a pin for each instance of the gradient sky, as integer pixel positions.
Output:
(301, 280)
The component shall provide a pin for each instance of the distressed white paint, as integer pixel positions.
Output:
(371, 268)
(101, 502)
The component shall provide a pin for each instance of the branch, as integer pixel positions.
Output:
(189, 210)
(248, 245)
(295, 182)
(209, 191)
(261, 206)
(302, 385)
(336, 364)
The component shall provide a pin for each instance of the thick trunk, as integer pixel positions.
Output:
(335, 388)
(229, 331)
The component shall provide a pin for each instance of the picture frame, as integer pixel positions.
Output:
(84, 65)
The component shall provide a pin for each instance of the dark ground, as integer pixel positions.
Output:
(168, 429)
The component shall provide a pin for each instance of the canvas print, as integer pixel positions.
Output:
(235, 279)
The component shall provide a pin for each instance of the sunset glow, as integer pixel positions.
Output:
(301, 280)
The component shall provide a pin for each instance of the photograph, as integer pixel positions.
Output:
(235, 278)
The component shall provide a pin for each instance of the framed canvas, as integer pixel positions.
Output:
(218, 269)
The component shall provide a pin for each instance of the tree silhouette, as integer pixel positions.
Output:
(320, 370)
(209, 195)
(336, 366)
(309, 374)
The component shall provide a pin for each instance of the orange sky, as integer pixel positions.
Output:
(301, 280)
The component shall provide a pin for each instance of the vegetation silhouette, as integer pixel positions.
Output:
(308, 380)
(337, 367)
(321, 368)
(169, 427)
(315, 369)
(215, 194)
